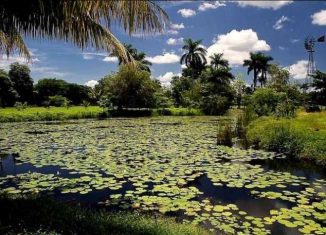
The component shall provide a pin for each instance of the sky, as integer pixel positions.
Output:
(234, 28)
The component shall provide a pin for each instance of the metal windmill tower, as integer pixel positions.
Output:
(309, 45)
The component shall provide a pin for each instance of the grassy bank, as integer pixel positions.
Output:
(30, 216)
(78, 112)
(303, 136)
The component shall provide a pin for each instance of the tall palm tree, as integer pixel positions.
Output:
(217, 61)
(194, 56)
(258, 63)
(264, 66)
(139, 57)
(83, 22)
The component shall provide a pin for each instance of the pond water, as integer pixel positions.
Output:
(168, 165)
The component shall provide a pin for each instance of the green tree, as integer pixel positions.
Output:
(47, 87)
(258, 63)
(218, 62)
(22, 82)
(7, 92)
(130, 88)
(84, 23)
(194, 57)
(319, 86)
(179, 85)
(217, 94)
(239, 88)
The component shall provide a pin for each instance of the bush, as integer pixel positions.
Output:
(265, 101)
(215, 105)
(311, 108)
(58, 101)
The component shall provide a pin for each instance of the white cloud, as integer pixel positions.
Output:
(210, 5)
(270, 4)
(92, 55)
(174, 41)
(167, 78)
(110, 59)
(166, 58)
(236, 45)
(91, 83)
(319, 18)
(281, 48)
(294, 40)
(299, 69)
(177, 26)
(280, 23)
(186, 13)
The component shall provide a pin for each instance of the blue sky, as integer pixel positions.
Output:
(277, 28)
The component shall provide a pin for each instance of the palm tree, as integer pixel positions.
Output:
(77, 21)
(264, 66)
(258, 63)
(217, 61)
(139, 57)
(194, 57)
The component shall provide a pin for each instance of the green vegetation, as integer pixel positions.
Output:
(159, 165)
(22, 113)
(302, 137)
(44, 216)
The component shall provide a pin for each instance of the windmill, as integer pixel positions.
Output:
(309, 45)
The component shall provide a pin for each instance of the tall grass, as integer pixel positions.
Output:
(302, 137)
(31, 215)
(80, 112)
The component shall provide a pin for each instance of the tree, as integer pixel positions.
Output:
(76, 93)
(179, 85)
(216, 92)
(80, 22)
(217, 61)
(258, 63)
(130, 88)
(264, 66)
(319, 85)
(7, 92)
(239, 88)
(139, 57)
(194, 57)
(47, 87)
(22, 82)
(278, 78)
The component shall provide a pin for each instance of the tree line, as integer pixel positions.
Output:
(210, 87)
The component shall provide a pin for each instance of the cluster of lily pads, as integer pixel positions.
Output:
(155, 165)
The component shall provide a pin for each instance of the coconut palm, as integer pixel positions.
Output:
(217, 61)
(139, 57)
(84, 23)
(194, 56)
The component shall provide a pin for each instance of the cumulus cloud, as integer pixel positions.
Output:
(110, 59)
(270, 4)
(177, 26)
(299, 69)
(210, 5)
(319, 18)
(280, 23)
(167, 78)
(186, 13)
(166, 58)
(236, 45)
(91, 83)
(174, 41)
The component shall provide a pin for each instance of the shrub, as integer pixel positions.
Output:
(58, 101)
(224, 135)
